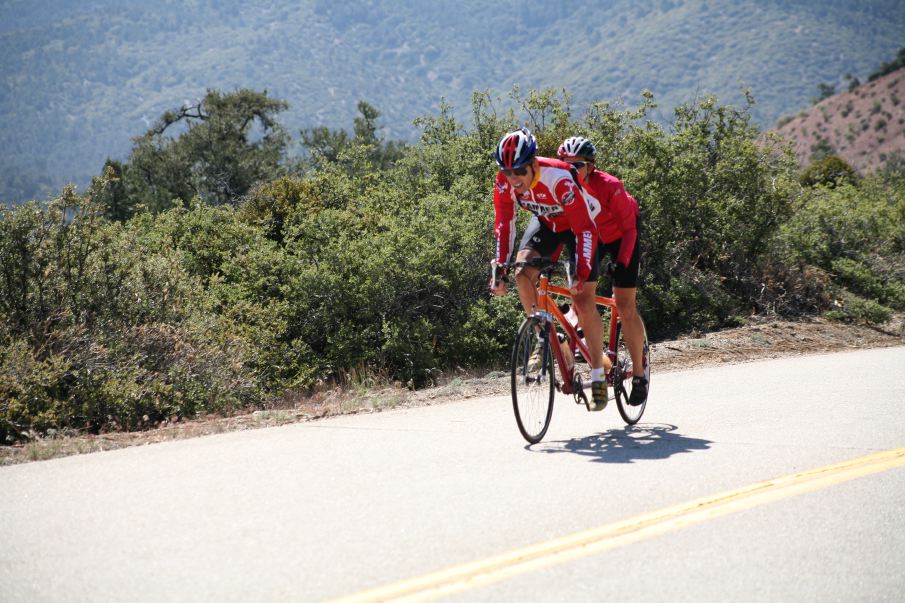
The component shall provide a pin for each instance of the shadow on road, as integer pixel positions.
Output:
(626, 445)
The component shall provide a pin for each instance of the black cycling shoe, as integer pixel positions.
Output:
(639, 391)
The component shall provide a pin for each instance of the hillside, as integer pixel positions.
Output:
(79, 80)
(865, 126)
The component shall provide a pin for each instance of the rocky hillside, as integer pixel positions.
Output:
(865, 126)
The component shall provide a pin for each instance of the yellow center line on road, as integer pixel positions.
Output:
(500, 567)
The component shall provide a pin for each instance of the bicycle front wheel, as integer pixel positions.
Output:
(623, 372)
(533, 385)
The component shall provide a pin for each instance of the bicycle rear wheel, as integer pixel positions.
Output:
(622, 378)
(533, 386)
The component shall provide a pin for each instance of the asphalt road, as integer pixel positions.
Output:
(322, 510)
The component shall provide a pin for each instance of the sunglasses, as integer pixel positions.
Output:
(579, 164)
(522, 171)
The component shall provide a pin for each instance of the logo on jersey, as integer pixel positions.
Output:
(541, 209)
(568, 195)
(501, 188)
(587, 247)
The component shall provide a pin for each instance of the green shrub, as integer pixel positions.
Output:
(105, 328)
(859, 278)
(856, 235)
(485, 337)
(130, 380)
(830, 171)
(711, 199)
(847, 221)
(859, 310)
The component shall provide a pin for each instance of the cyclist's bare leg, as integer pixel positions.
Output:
(632, 327)
(526, 280)
(591, 323)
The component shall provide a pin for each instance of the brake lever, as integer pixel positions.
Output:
(498, 273)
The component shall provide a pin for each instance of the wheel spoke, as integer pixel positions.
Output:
(624, 373)
(532, 382)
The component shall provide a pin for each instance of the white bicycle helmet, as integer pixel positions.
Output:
(576, 146)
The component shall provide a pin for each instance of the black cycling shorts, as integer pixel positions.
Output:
(623, 277)
(538, 237)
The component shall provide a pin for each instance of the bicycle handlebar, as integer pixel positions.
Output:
(542, 263)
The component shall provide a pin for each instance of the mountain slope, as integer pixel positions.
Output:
(864, 127)
(80, 79)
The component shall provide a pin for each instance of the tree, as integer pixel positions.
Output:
(227, 143)
(824, 92)
(822, 148)
(110, 191)
(325, 142)
(829, 171)
(328, 144)
(889, 67)
(853, 82)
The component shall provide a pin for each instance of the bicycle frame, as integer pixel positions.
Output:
(547, 305)
(535, 380)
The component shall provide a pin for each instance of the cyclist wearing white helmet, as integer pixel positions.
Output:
(617, 226)
(549, 189)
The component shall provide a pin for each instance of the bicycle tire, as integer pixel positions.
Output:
(622, 386)
(533, 386)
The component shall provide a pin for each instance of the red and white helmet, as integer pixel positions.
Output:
(516, 149)
(576, 146)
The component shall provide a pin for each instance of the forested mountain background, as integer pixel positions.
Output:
(81, 79)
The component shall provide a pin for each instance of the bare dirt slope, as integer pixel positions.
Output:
(865, 126)
(759, 340)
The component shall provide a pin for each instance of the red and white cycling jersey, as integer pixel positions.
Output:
(558, 201)
(618, 215)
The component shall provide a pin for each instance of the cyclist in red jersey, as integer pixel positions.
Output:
(617, 225)
(549, 189)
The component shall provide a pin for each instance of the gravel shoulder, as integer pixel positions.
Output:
(760, 339)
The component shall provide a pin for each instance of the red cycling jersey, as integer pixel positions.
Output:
(557, 200)
(618, 215)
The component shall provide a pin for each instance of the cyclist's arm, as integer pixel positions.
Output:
(570, 197)
(624, 210)
(504, 218)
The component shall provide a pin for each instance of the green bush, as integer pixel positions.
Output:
(105, 328)
(860, 279)
(848, 222)
(711, 199)
(859, 310)
(130, 381)
(855, 234)
(830, 171)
